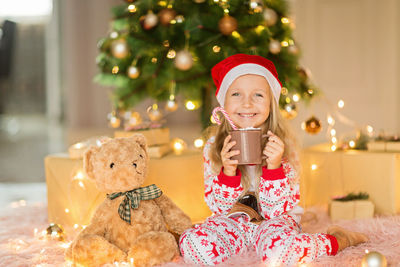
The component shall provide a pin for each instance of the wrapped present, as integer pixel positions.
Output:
(353, 209)
(77, 150)
(156, 136)
(387, 146)
(72, 197)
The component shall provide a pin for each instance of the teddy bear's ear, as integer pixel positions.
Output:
(87, 161)
(141, 140)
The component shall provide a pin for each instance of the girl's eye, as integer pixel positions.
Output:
(112, 165)
(259, 95)
(235, 94)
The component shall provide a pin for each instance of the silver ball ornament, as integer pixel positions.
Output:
(183, 60)
(275, 47)
(373, 259)
(270, 16)
(150, 20)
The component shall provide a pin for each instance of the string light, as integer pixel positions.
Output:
(333, 132)
(284, 44)
(216, 49)
(190, 105)
(132, 8)
(340, 103)
(171, 53)
(330, 120)
(296, 97)
(115, 70)
(198, 143)
(333, 147)
(314, 167)
(352, 144)
(285, 20)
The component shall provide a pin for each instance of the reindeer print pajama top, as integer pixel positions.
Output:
(277, 239)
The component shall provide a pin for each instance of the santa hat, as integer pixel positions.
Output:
(226, 71)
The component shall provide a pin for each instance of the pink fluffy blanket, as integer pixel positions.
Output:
(22, 242)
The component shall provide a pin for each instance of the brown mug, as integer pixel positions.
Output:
(248, 142)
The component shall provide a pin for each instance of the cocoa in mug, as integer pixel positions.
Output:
(248, 142)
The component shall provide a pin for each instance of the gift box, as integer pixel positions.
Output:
(326, 174)
(348, 210)
(156, 136)
(385, 146)
(72, 197)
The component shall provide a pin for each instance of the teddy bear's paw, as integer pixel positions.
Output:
(154, 248)
(93, 250)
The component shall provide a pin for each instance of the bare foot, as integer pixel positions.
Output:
(345, 237)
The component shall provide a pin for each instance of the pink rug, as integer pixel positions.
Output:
(23, 243)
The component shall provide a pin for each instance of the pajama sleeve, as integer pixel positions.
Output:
(221, 191)
(279, 190)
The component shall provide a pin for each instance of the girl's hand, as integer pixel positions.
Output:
(273, 150)
(229, 165)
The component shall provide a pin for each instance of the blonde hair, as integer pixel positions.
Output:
(276, 124)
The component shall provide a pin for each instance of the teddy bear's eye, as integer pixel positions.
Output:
(112, 165)
(141, 156)
(134, 165)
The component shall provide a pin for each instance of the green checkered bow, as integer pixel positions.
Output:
(133, 198)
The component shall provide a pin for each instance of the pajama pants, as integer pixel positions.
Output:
(278, 241)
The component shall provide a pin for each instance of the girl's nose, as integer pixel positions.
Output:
(247, 102)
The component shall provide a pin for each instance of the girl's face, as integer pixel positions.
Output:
(248, 100)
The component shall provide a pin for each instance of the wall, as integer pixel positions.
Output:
(353, 50)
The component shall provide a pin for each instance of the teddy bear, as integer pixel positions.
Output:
(133, 224)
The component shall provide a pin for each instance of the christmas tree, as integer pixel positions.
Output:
(163, 49)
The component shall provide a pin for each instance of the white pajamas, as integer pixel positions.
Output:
(277, 240)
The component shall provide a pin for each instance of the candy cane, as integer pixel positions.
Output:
(215, 116)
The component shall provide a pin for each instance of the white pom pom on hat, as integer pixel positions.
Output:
(226, 71)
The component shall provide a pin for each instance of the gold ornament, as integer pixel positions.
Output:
(166, 15)
(154, 113)
(55, 232)
(199, 1)
(313, 125)
(133, 72)
(119, 48)
(133, 119)
(373, 259)
(171, 105)
(183, 60)
(227, 25)
(289, 111)
(149, 20)
(114, 121)
(270, 16)
(275, 47)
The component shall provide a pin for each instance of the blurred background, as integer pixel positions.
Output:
(48, 100)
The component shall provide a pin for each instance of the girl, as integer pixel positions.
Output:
(254, 206)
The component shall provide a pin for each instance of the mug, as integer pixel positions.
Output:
(248, 142)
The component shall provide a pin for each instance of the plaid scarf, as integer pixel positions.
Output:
(132, 199)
